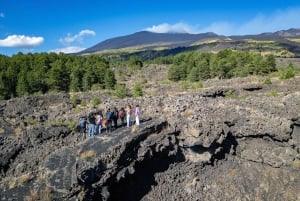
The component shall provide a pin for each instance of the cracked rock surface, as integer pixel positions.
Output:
(195, 145)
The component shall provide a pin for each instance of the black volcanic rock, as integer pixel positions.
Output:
(197, 145)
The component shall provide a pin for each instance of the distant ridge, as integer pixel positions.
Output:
(148, 38)
(162, 44)
(272, 35)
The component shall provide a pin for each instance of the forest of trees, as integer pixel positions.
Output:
(195, 66)
(24, 74)
(40, 73)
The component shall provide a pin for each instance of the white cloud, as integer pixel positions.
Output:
(21, 41)
(77, 37)
(260, 23)
(279, 20)
(172, 28)
(2, 14)
(67, 50)
(222, 28)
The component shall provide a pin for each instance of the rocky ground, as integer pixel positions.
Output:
(235, 139)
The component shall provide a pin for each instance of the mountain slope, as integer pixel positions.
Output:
(284, 43)
(151, 39)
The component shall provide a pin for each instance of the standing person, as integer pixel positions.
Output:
(115, 117)
(137, 113)
(98, 123)
(121, 114)
(91, 125)
(104, 123)
(128, 115)
(83, 126)
(109, 120)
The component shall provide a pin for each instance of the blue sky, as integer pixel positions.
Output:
(71, 26)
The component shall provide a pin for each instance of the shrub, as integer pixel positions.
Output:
(120, 90)
(135, 63)
(143, 80)
(30, 121)
(184, 85)
(197, 85)
(288, 72)
(137, 90)
(83, 103)
(75, 100)
(229, 94)
(96, 87)
(268, 81)
(273, 93)
(95, 101)
(71, 125)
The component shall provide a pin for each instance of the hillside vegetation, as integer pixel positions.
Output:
(210, 123)
(27, 74)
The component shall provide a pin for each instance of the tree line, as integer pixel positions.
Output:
(39, 73)
(195, 66)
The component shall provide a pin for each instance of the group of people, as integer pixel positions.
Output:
(94, 123)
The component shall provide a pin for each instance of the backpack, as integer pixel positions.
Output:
(108, 115)
(121, 114)
(115, 114)
(104, 123)
(82, 123)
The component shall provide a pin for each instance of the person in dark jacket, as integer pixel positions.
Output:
(122, 114)
(91, 125)
(115, 117)
(108, 116)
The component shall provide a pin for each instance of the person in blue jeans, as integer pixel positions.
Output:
(83, 126)
(91, 125)
(98, 123)
(109, 120)
(128, 115)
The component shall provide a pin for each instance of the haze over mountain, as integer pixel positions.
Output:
(145, 40)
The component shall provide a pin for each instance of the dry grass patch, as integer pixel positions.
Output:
(101, 107)
(45, 195)
(33, 196)
(220, 182)
(78, 152)
(1, 130)
(12, 183)
(18, 131)
(134, 129)
(152, 92)
(88, 155)
(25, 178)
(43, 175)
(296, 164)
(165, 110)
(233, 172)
(297, 40)
(188, 113)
